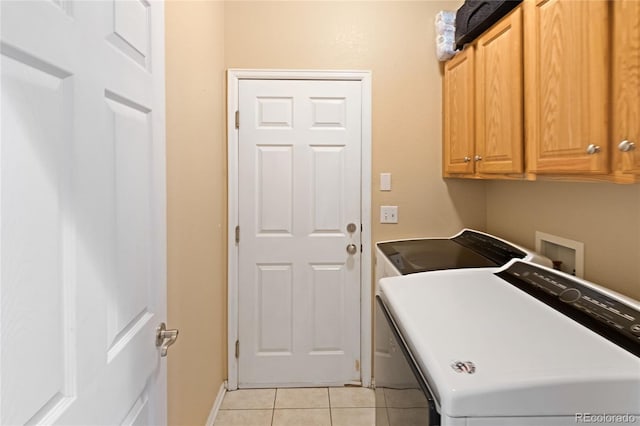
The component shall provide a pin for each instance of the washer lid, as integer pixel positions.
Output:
(489, 349)
(432, 254)
(467, 249)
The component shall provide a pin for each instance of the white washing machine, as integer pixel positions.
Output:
(467, 249)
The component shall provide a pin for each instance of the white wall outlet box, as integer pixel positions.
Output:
(568, 252)
(388, 214)
(385, 181)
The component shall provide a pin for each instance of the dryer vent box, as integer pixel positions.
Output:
(567, 255)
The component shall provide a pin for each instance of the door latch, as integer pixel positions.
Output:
(165, 338)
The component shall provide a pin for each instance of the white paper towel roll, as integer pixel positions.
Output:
(445, 34)
(446, 16)
(442, 27)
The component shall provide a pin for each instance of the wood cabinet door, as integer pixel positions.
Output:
(499, 98)
(459, 113)
(566, 86)
(626, 85)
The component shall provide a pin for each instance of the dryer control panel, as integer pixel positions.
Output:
(614, 318)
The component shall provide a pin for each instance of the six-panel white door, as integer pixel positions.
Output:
(299, 189)
(82, 228)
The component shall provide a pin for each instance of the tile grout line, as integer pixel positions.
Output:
(273, 409)
(243, 409)
(330, 410)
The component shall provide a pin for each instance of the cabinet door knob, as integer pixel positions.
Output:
(626, 146)
(467, 159)
(477, 158)
(593, 149)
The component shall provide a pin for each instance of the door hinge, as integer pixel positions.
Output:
(237, 348)
(361, 228)
(357, 365)
(237, 234)
(360, 248)
(237, 119)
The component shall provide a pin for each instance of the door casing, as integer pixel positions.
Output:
(233, 80)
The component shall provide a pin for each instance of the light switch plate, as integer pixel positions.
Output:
(388, 214)
(385, 181)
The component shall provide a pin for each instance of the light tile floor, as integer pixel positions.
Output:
(347, 406)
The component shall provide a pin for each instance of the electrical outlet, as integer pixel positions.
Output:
(388, 214)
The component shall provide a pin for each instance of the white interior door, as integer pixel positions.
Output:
(82, 231)
(299, 189)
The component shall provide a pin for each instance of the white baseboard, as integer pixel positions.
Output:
(216, 404)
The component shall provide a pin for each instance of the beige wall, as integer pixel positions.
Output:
(605, 217)
(395, 40)
(196, 197)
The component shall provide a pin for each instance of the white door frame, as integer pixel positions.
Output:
(233, 80)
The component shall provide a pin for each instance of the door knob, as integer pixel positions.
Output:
(165, 338)
(466, 159)
(352, 249)
(477, 158)
(626, 146)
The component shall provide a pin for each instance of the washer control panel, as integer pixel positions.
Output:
(578, 299)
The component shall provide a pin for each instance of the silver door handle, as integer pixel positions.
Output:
(165, 338)
(352, 249)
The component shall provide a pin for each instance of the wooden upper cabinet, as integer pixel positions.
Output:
(626, 86)
(458, 98)
(566, 86)
(499, 94)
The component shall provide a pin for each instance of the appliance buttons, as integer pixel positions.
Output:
(635, 329)
(570, 295)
